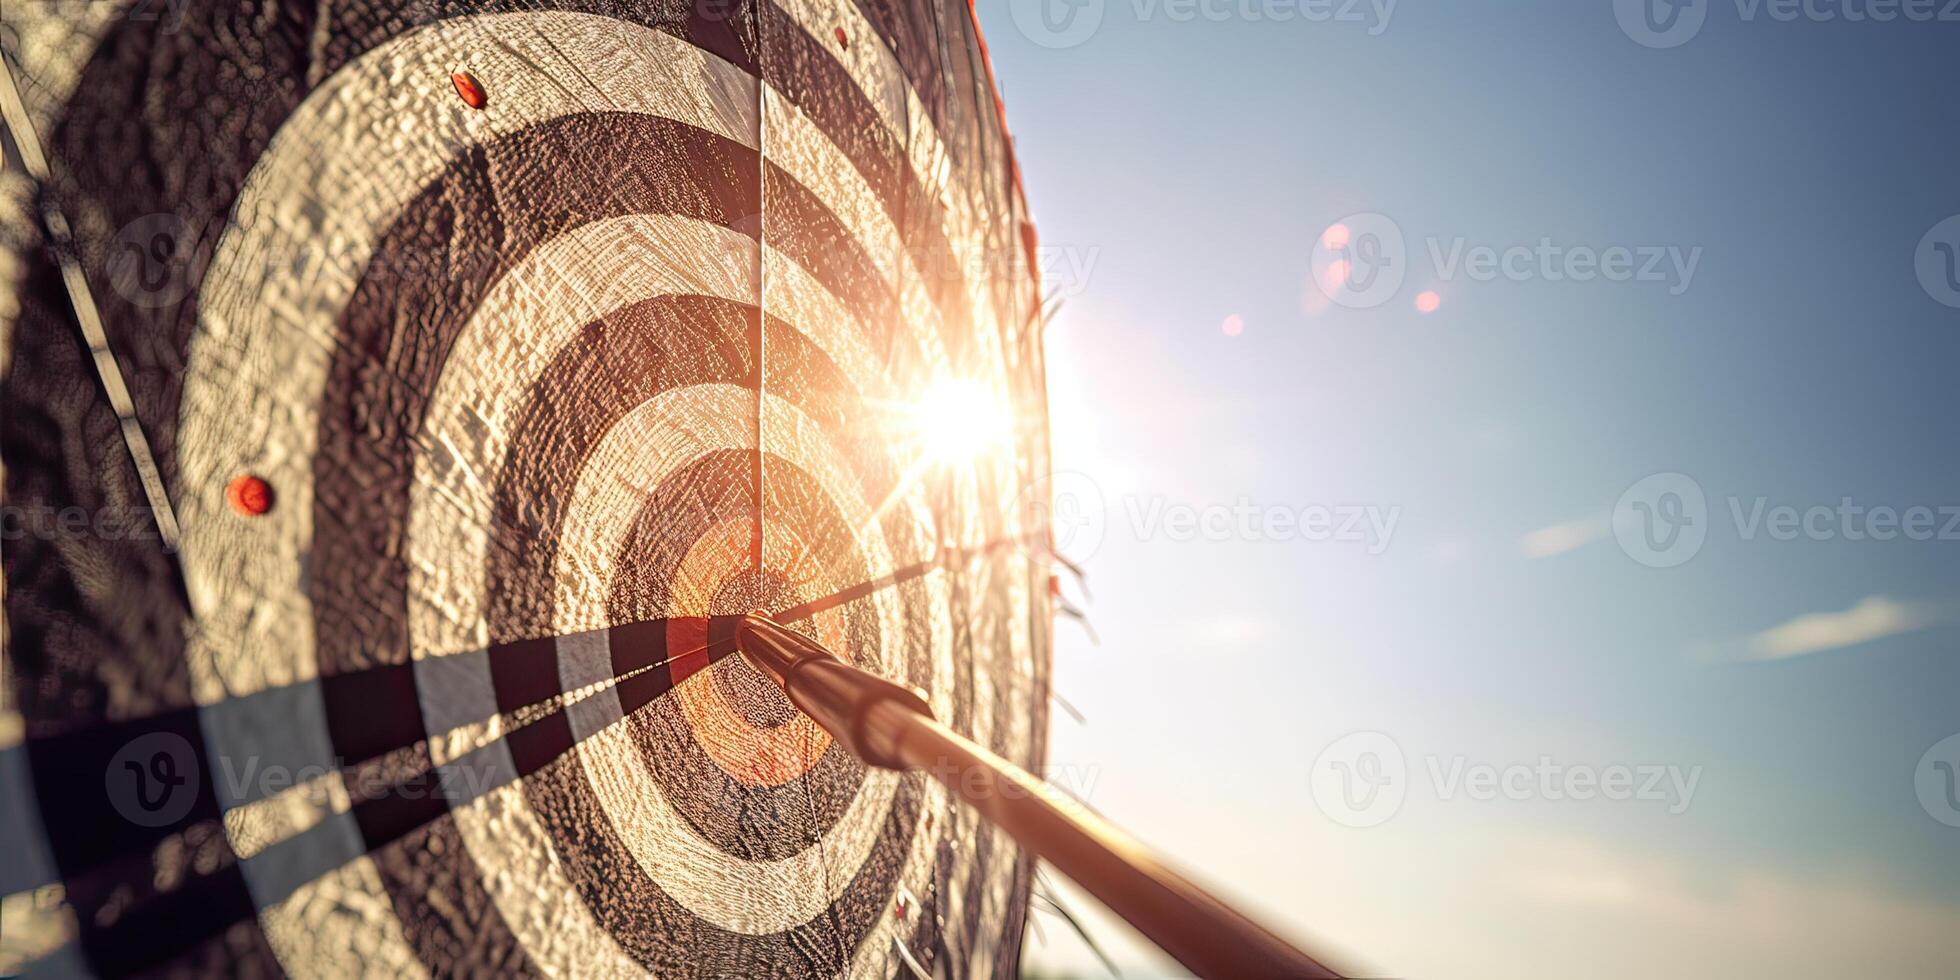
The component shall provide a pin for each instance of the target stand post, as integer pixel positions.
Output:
(892, 727)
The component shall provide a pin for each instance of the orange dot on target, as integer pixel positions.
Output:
(1233, 325)
(1428, 301)
(248, 495)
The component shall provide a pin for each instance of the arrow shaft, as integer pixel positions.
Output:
(892, 727)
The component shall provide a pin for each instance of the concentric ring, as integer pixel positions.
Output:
(526, 375)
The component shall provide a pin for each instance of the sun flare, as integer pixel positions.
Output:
(957, 420)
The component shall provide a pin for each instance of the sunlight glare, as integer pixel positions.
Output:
(958, 420)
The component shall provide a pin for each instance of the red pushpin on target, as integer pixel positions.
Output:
(248, 495)
(469, 89)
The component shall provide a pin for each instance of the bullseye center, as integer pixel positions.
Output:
(753, 696)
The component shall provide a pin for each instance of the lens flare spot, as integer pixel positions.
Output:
(1428, 301)
(1335, 237)
(1233, 325)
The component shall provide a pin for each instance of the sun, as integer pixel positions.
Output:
(945, 428)
(956, 420)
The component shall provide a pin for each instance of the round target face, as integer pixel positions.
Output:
(462, 375)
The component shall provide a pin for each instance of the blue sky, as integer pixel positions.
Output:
(1186, 167)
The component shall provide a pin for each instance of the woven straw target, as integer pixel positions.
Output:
(458, 373)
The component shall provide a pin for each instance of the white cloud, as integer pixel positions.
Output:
(1873, 618)
(1561, 538)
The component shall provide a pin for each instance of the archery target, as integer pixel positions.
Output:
(560, 337)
